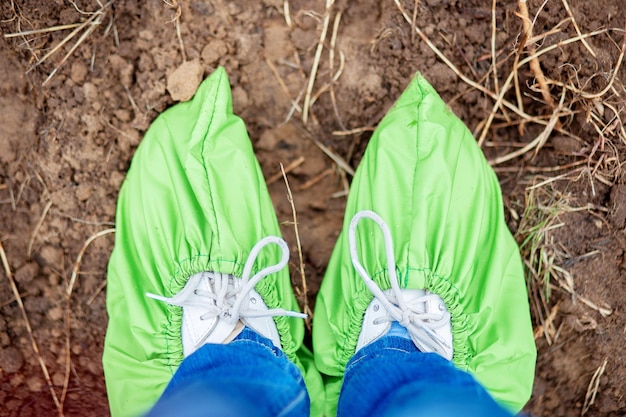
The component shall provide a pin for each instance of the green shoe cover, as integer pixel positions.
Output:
(194, 200)
(425, 176)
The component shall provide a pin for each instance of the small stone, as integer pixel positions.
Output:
(55, 313)
(116, 179)
(51, 255)
(240, 98)
(58, 379)
(122, 114)
(94, 368)
(184, 81)
(78, 73)
(214, 51)
(146, 35)
(16, 380)
(34, 384)
(124, 68)
(90, 91)
(11, 360)
(5, 340)
(83, 192)
(26, 273)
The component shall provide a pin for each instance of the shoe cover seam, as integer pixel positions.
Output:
(206, 172)
(404, 282)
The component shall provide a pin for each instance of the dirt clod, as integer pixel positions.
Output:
(184, 81)
(11, 360)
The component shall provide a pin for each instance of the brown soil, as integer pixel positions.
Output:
(65, 147)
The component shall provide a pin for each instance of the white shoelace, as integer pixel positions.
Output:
(228, 296)
(411, 314)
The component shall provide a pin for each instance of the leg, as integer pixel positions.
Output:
(391, 377)
(248, 376)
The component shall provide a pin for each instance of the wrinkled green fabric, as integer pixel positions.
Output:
(425, 176)
(194, 200)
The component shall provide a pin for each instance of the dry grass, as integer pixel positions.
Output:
(68, 308)
(561, 101)
(543, 256)
(592, 390)
(303, 293)
(35, 346)
(81, 30)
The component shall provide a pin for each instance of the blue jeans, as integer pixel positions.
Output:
(390, 377)
(246, 377)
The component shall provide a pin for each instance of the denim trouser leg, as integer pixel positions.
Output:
(246, 377)
(391, 378)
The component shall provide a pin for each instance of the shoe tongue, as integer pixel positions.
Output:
(398, 330)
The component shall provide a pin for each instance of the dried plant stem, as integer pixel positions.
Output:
(18, 298)
(29, 248)
(538, 142)
(415, 4)
(68, 310)
(354, 131)
(338, 160)
(287, 13)
(64, 41)
(571, 15)
(79, 258)
(282, 84)
(535, 67)
(44, 30)
(507, 83)
(613, 76)
(499, 98)
(494, 65)
(592, 389)
(547, 327)
(331, 56)
(293, 165)
(316, 62)
(305, 292)
(80, 40)
(310, 183)
(176, 19)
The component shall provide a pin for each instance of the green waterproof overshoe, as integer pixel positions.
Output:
(425, 180)
(192, 208)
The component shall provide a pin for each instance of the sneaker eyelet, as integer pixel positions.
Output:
(253, 300)
(376, 307)
(442, 307)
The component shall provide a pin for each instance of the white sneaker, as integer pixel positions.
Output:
(217, 306)
(422, 313)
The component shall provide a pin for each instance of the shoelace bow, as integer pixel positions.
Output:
(228, 296)
(411, 314)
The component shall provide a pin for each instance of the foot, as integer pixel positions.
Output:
(423, 314)
(446, 266)
(217, 306)
(192, 218)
